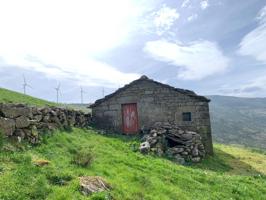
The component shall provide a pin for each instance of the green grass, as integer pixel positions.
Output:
(8, 96)
(233, 173)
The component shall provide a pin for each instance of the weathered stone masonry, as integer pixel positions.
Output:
(28, 123)
(156, 102)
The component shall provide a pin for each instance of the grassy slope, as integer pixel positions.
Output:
(16, 97)
(233, 173)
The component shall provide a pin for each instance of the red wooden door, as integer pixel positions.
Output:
(130, 118)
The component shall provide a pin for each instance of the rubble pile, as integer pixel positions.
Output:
(165, 139)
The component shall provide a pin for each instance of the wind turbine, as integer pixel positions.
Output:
(103, 91)
(81, 94)
(25, 84)
(57, 92)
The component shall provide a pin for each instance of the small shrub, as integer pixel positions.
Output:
(72, 150)
(44, 138)
(101, 196)
(2, 169)
(83, 158)
(40, 189)
(134, 146)
(59, 179)
(1, 140)
(143, 180)
(20, 158)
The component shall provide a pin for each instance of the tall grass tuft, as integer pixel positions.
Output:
(1, 140)
(83, 157)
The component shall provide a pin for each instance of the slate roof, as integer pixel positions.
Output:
(145, 78)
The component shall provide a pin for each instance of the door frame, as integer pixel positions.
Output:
(122, 114)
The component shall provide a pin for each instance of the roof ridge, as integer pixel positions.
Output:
(145, 78)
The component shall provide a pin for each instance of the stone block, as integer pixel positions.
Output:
(22, 122)
(7, 126)
(16, 110)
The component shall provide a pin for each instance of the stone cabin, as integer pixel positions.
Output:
(143, 102)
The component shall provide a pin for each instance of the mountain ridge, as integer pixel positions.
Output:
(237, 120)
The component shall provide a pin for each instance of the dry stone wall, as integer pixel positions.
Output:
(165, 139)
(25, 122)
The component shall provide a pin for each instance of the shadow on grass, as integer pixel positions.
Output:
(225, 163)
(220, 162)
(120, 136)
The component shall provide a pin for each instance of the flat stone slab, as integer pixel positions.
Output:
(91, 184)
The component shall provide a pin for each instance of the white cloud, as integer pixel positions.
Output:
(65, 36)
(255, 87)
(195, 61)
(165, 18)
(253, 44)
(185, 3)
(192, 17)
(82, 70)
(204, 4)
(262, 15)
(84, 25)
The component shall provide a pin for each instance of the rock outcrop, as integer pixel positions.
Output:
(170, 140)
(28, 122)
(91, 184)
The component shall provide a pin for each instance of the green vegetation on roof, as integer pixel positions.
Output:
(233, 173)
(8, 96)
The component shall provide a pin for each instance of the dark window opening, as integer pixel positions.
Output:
(186, 116)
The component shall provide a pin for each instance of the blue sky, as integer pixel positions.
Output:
(209, 46)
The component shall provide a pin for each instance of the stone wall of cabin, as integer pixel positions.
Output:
(156, 103)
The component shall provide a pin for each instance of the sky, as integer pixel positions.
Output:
(208, 46)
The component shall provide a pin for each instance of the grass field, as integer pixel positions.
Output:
(233, 173)
(8, 96)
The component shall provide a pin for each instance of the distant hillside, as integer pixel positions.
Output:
(8, 96)
(239, 120)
